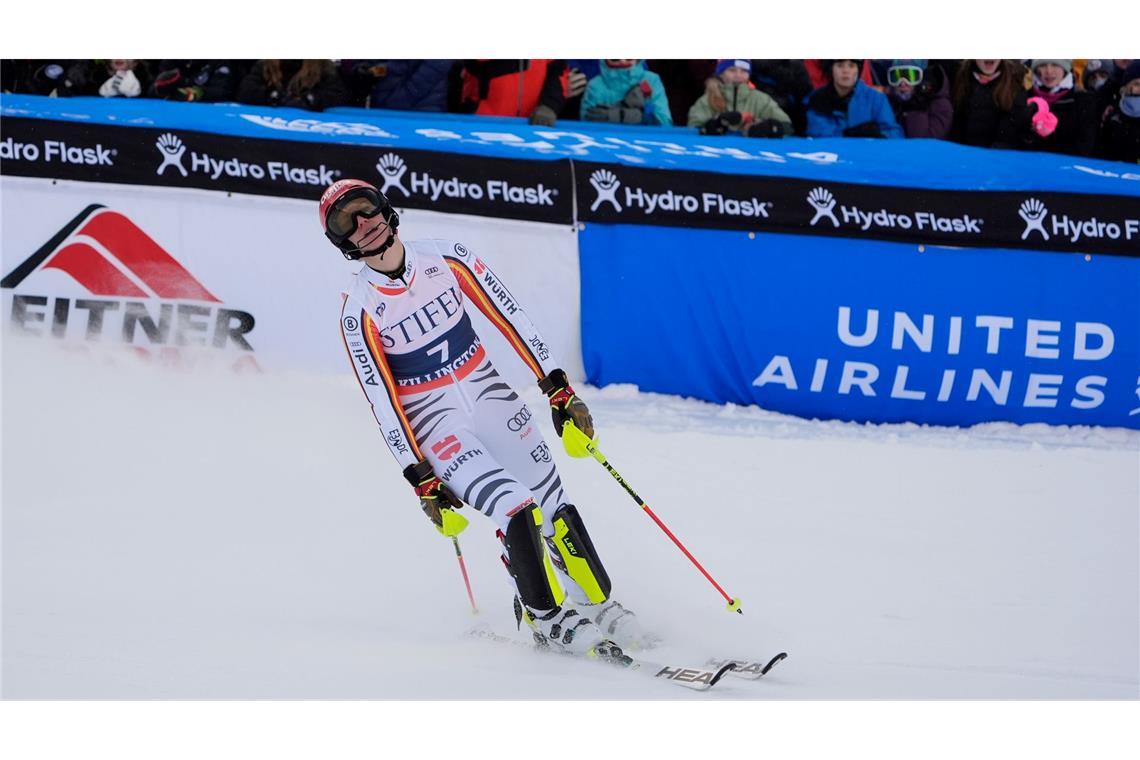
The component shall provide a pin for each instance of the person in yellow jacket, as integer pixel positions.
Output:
(732, 104)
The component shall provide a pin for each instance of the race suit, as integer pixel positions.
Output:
(435, 393)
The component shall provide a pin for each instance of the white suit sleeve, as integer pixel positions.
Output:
(490, 295)
(362, 341)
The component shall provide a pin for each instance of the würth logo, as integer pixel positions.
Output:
(142, 294)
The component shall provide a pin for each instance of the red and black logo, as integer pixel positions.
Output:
(141, 293)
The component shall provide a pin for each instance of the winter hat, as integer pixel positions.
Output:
(1065, 63)
(723, 64)
(919, 62)
(1132, 72)
(1097, 66)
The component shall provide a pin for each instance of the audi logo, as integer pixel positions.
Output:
(518, 422)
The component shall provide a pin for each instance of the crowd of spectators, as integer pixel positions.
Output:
(1088, 107)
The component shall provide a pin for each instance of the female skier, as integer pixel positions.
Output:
(459, 431)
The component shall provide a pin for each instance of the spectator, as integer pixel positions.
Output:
(212, 81)
(534, 88)
(920, 98)
(731, 104)
(1120, 137)
(819, 71)
(1096, 73)
(312, 84)
(849, 107)
(579, 74)
(1094, 79)
(124, 77)
(1054, 92)
(60, 78)
(1120, 67)
(399, 85)
(990, 107)
(623, 92)
(684, 80)
(786, 82)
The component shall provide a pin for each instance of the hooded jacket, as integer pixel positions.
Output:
(929, 112)
(610, 86)
(743, 99)
(501, 87)
(828, 115)
(407, 85)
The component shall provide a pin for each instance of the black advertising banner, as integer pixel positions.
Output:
(564, 191)
(539, 191)
(1051, 221)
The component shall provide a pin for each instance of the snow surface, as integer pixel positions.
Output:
(177, 535)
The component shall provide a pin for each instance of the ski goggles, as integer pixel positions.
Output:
(342, 218)
(896, 75)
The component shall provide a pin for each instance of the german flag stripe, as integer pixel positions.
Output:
(344, 341)
(372, 340)
(470, 286)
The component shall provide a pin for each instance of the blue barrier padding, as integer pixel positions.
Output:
(932, 164)
(718, 316)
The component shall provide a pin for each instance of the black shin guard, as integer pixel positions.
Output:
(527, 561)
(573, 549)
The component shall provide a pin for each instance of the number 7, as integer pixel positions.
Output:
(442, 348)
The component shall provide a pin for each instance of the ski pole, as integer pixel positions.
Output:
(578, 444)
(466, 580)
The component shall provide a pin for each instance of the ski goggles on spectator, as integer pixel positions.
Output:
(342, 218)
(912, 75)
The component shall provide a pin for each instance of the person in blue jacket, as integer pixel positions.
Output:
(624, 92)
(847, 107)
(399, 84)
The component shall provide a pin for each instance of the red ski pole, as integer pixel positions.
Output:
(577, 444)
(466, 580)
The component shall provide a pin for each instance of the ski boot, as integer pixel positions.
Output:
(567, 630)
(621, 625)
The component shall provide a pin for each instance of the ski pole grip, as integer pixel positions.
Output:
(576, 443)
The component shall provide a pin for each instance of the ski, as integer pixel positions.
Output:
(697, 679)
(751, 670)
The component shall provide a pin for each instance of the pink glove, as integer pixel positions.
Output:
(1044, 121)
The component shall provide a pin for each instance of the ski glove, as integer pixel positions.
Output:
(866, 129)
(543, 116)
(436, 499)
(616, 114)
(720, 124)
(635, 96)
(1044, 121)
(564, 405)
(766, 128)
(121, 84)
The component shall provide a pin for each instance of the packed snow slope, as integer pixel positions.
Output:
(175, 535)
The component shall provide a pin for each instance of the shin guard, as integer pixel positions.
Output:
(574, 552)
(528, 562)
